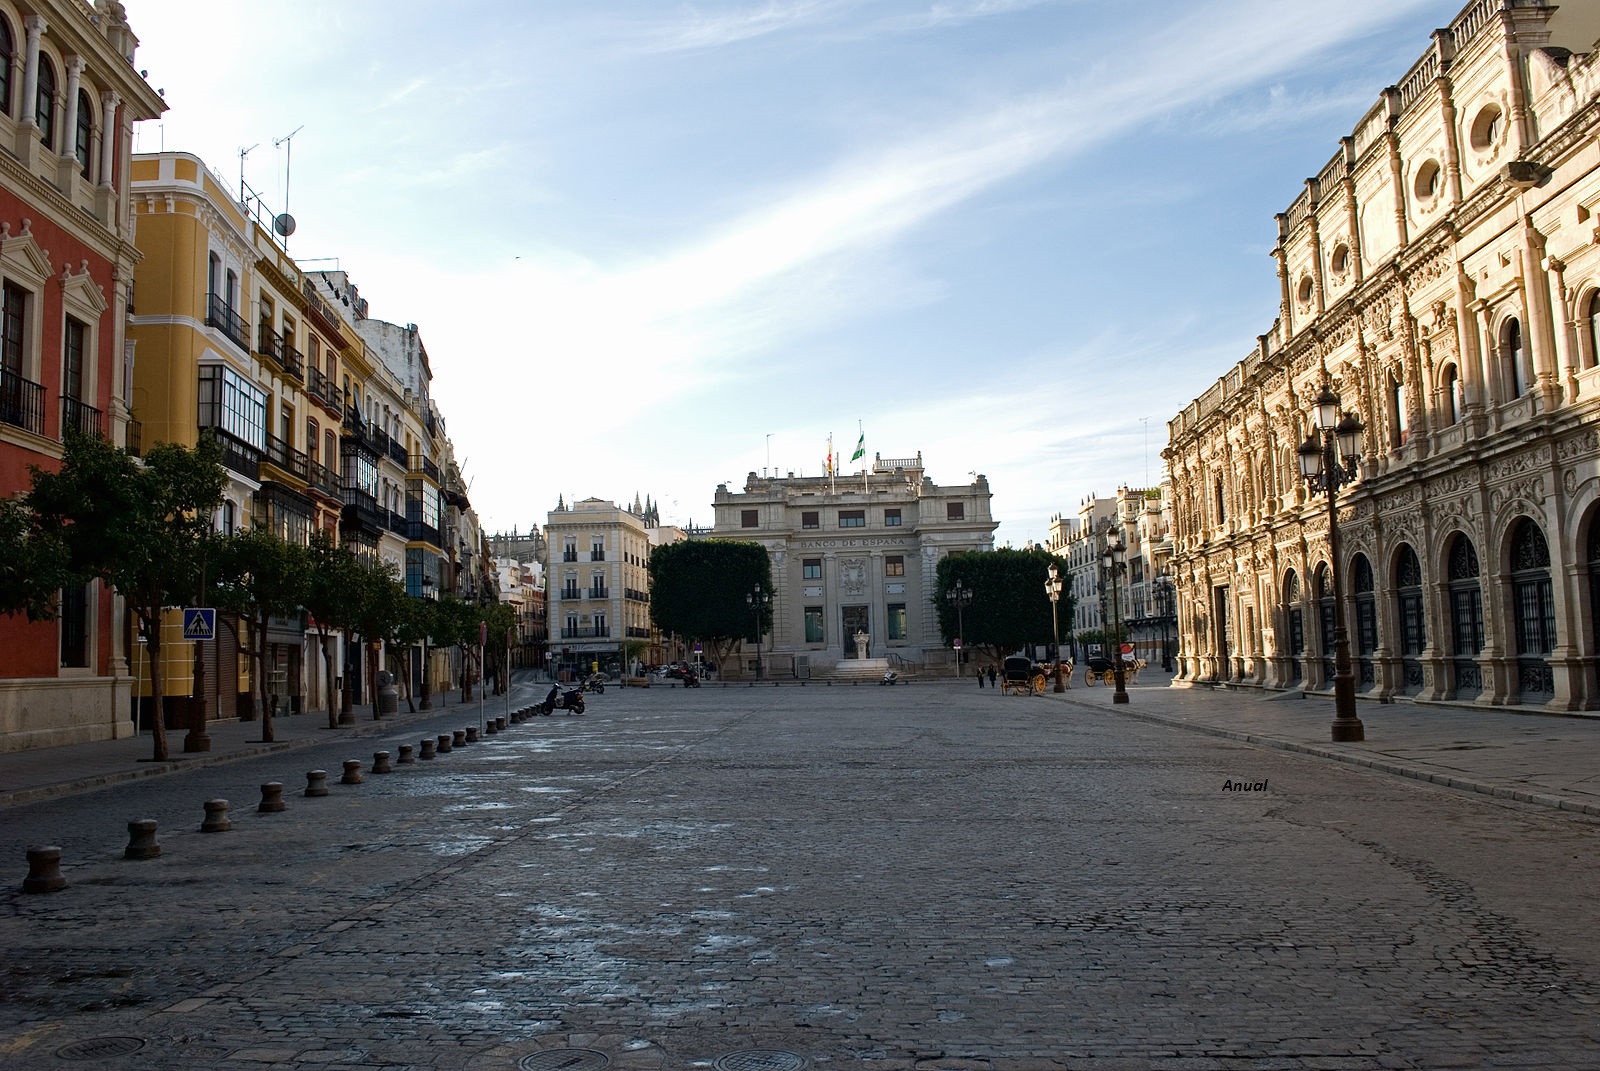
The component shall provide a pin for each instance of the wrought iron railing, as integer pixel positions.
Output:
(82, 417)
(324, 479)
(600, 633)
(320, 387)
(293, 361)
(21, 402)
(226, 320)
(287, 458)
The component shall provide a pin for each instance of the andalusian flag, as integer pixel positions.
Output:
(861, 448)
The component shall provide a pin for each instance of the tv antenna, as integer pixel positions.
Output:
(242, 154)
(283, 223)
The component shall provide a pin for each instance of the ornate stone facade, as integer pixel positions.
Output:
(1442, 274)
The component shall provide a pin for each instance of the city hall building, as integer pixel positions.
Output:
(1441, 274)
(856, 555)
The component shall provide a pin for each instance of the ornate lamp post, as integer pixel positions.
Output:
(1166, 603)
(1052, 588)
(1115, 565)
(1327, 466)
(758, 602)
(959, 596)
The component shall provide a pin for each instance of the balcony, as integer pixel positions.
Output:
(571, 594)
(135, 438)
(321, 389)
(268, 344)
(237, 455)
(230, 323)
(597, 555)
(325, 480)
(598, 633)
(398, 523)
(294, 362)
(598, 593)
(397, 454)
(423, 533)
(21, 403)
(569, 555)
(82, 417)
(635, 595)
(361, 508)
(425, 466)
(287, 458)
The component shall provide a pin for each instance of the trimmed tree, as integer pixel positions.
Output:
(379, 598)
(698, 589)
(335, 577)
(264, 576)
(138, 526)
(33, 563)
(1009, 607)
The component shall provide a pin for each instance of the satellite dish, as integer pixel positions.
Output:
(283, 224)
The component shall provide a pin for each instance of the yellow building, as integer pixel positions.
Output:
(231, 337)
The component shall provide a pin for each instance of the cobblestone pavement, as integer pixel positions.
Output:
(774, 879)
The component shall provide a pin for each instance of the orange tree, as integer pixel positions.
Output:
(698, 589)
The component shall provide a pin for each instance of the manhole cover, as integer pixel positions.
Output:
(565, 1060)
(760, 1060)
(99, 1048)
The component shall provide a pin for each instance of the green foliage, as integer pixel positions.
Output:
(1009, 606)
(143, 528)
(698, 589)
(335, 575)
(33, 562)
(261, 575)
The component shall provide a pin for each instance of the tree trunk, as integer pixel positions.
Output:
(427, 678)
(267, 736)
(333, 699)
(373, 663)
(158, 727)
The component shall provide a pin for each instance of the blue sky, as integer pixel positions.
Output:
(653, 246)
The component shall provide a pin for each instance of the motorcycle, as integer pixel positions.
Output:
(595, 682)
(570, 700)
(890, 677)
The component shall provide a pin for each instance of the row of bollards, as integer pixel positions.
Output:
(44, 861)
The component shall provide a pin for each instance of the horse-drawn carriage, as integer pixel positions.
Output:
(1101, 670)
(1021, 676)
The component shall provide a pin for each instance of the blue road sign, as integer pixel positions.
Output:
(199, 623)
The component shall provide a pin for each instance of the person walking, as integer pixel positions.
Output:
(992, 676)
(979, 675)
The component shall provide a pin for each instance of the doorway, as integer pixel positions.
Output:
(856, 619)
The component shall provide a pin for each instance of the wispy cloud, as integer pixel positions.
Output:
(707, 31)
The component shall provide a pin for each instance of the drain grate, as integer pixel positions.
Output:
(565, 1060)
(761, 1060)
(99, 1048)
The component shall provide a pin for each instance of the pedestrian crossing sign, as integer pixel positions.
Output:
(199, 623)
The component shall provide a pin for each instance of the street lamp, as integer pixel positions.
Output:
(1052, 588)
(960, 597)
(758, 602)
(1115, 565)
(1166, 605)
(1327, 466)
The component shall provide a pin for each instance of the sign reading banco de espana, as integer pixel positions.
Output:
(199, 623)
(878, 541)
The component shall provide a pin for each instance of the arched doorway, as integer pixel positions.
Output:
(1324, 592)
(1466, 617)
(1533, 604)
(1366, 621)
(1295, 624)
(1592, 563)
(1413, 623)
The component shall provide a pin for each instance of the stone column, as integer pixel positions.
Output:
(108, 136)
(35, 27)
(69, 139)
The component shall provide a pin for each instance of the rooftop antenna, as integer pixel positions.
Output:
(283, 223)
(242, 154)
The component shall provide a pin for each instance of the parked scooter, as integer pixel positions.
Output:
(570, 700)
(595, 682)
(890, 677)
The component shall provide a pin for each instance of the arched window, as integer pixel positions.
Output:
(44, 103)
(1413, 625)
(1324, 590)
(213, 274)
(8, 55)
(1511, 357)
(1534, 606)
(1450, 394)
(1466, 616)
(1591, 315)
(1366, 619)
(1397, 412)
(84, 133)
(1294, 621)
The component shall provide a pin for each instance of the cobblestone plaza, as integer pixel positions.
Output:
(847, 877)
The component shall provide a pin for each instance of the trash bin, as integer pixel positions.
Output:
(388, 694)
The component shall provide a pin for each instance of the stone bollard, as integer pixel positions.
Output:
(445, 743)
(492, 725)
(216, 817)
(44, 870)
(352, 772)
(317, 783)
(500, 723)
(408, 754)
(472, 734)
(142, 840)
(271, 798)
(428, 746)
(459, 738)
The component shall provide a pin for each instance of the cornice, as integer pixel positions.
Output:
(63, 213)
